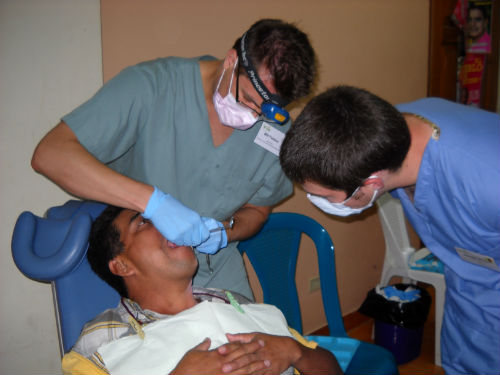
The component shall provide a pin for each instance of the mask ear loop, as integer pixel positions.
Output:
(376, 190)
(350, 197)
(232, 77)
(359, 187)
(220, 79)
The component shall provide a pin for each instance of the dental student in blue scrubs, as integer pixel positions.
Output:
(442, 161)
(192, 143)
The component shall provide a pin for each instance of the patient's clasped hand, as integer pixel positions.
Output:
(180, 333)
(162, 323)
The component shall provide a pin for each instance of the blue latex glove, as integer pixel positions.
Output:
(217, 239)
(176, 222)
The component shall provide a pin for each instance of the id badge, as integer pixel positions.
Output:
(476, 258)
(270, 138)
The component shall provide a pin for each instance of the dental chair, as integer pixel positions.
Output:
(401, 259)
(273, 254)
(53, 249)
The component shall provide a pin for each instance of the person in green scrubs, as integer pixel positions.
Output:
(192, 143)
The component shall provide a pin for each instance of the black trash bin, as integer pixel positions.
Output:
(400, 312)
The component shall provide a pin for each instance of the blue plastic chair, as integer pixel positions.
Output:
(273, 254)
(53, 249)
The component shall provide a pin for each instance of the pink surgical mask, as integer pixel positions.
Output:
(230, 112)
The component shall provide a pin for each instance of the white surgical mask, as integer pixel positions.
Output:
(340, 209)
(230, 112)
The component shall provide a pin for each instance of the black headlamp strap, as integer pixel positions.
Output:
(254, 77)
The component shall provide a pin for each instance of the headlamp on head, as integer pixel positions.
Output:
(273, 107)
(275, 113)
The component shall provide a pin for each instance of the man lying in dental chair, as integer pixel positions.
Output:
(165, 325)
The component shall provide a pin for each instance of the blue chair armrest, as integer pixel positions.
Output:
(371, 359)
(343, 348)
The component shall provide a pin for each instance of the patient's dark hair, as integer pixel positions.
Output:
(104, 245)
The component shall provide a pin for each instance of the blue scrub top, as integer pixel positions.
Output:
(457, 206)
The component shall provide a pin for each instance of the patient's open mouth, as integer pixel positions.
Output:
(171, 244)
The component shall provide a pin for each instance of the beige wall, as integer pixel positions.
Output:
(50, 61)
(379, 45)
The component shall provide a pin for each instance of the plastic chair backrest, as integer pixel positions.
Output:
(398, 247)
(54, 249)
(273, 253)
(392, 212)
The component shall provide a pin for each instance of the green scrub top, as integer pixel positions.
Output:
(150, 123)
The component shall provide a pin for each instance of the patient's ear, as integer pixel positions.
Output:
(120, 266)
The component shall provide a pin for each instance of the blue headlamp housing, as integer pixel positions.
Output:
(273, 107)
(274, 113)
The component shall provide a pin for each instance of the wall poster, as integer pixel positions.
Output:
(473, 18)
